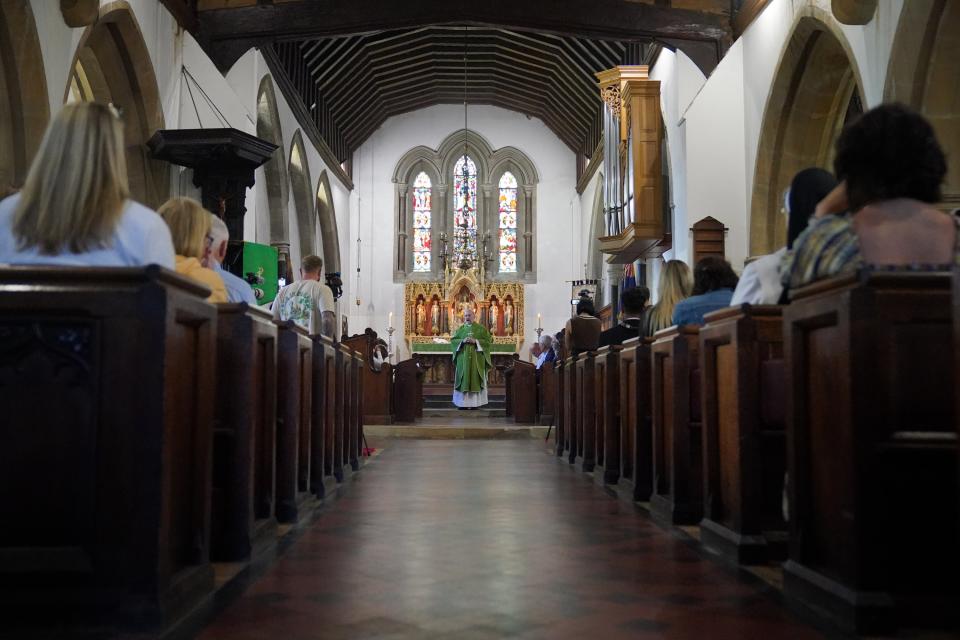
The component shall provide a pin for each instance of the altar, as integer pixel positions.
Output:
(433, 311)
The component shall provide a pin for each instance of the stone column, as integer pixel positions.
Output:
(485, 214)
(402, 228)
(527, 229)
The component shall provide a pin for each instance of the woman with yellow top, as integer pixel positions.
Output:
(189, 226)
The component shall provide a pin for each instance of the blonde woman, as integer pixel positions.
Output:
(675, 285)
(190, 225)
(75, 207)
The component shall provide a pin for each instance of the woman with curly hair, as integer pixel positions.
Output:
(891, 168)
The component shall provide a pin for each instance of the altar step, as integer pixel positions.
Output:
(452, 412)
(431, 402)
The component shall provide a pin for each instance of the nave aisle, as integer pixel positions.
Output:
(494, 539)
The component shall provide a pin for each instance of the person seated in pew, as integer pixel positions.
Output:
(673, 286)
(238, 289)
(547, 354)
(760, 281)
(189, 226)
(308, 302)
(633, 307)
(75, 207)
(583, 331)
(891, 169)
(713, 283)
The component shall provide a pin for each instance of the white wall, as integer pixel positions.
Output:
(558, 246)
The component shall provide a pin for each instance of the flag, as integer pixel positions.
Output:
(629, 277)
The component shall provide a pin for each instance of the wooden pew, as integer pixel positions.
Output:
(585, 415)
(524, 390)
(355, 434)
(377, 400)
(294, 421)
(636, 441)
(408, 390)
(677, 496)
(344, 401)
(107, 384)
(547, 394)
(244, 445)
(607, 414)
(560, 371)
(323, 405)
(872, 450)
(744, 459)
(570, 420)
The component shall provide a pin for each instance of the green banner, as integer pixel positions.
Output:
(435, 347)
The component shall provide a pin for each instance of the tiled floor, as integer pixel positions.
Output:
(494, 539)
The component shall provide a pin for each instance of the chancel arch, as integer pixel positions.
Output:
(112, 65)
(303, 196)
(816, 90)
(327, 216)
(275, 169)
(508, 225)
(924, 74)
(24, 106)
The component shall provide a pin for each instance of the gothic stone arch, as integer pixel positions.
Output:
(438, 164)
(815, 90)
(275, 170)
(327, 216)
(112, 65)
(924, 74)
(24, 105)
(303, 199)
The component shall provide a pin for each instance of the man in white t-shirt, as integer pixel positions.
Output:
(308, 301)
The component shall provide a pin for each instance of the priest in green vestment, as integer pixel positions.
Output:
(471, 357)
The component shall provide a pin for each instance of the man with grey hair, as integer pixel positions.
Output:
(237, 288)
(547, 354)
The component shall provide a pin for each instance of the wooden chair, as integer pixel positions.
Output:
(244, 445)
(524, 383)
(607, 414)
(744, 460)
(107, 383)
(636, 441)
(407, 390)
(677, 496)
(294, 421)
(872, 450)
(377, 399)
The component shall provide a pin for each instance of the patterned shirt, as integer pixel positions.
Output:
(304, 302)
(829, 247)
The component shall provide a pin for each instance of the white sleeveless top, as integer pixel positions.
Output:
(141, 238)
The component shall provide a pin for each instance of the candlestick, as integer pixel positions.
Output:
(390, 321)
(539, 325)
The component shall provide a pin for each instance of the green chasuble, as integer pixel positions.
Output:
(471, 366)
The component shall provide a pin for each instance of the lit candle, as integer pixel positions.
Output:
(390, 321)
(539, 326)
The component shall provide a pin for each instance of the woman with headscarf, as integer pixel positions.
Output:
(760, 281)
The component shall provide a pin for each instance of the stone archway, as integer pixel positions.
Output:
(816, 90)
(275, 170)
(327, 216)
(24, 105)
(112, 65)
(924, 74)
(303, 200)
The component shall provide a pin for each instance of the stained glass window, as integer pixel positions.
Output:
(465, 210)
(508, 223)
(422, 214)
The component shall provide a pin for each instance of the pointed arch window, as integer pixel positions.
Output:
(465, 209)
(507, 231)
(422, 220)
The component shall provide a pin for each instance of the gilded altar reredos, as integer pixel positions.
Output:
(434, 310)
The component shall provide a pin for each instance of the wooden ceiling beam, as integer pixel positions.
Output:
(227, 33)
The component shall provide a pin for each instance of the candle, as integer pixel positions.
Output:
(539, 326)
(390, 321)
